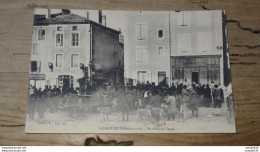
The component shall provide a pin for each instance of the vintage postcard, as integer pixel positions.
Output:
(104, 71)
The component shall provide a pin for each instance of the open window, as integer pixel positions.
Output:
(41, 34)
(35, 66)
(160, 34)
(74, 36)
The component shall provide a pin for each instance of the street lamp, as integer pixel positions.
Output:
(50, 66)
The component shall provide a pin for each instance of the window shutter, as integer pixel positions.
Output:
(145, 55)
(33, 66)
(149, 76)
(138, 55)
(144, 31)
(39, 66)
(137, 31)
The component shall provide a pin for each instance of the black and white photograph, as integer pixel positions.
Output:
(111, 71)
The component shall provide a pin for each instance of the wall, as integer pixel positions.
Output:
(107, 53)
(155, 63)
(47, 52)
(200, 35)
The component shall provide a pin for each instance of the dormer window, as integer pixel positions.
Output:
(74, 28)
(59, 28)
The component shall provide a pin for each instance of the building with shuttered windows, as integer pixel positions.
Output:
(175, 46)
(66, 47)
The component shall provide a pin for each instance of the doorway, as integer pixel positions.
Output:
(65, 81)
(161, 76)
(195, 77)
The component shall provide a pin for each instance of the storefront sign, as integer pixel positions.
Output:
(37, 76)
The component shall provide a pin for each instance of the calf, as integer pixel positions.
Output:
(182, 114)
(105, 112)
(157, 114)
(143, 113)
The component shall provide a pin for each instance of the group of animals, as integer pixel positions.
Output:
(149, 113)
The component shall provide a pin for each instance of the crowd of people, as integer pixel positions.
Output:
(174, 99)
(178, 98)
(47, 99)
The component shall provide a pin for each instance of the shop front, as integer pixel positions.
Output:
(201, 69)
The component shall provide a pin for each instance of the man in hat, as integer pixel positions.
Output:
(172, 109)
(194, 103)
(217, 96)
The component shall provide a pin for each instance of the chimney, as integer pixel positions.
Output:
(48, 14)
(87, 15)
(100, 16)
(104, 21)
(65, 11)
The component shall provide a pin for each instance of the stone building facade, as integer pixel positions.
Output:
(64, 44)
(175, 46)
(147, 47)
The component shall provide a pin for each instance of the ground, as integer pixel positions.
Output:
(210, 120)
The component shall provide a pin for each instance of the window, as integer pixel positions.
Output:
(204, 18)
(59, 60)
(184, 42)
(161, 76)
(160, 50)
(59, 36)
(141, 31)
(34, 49)
(41, 34)
(184, 19)
(213, 75)
(142, 54)
(35, 66)
(74, 60)
(203, 75)
(75, 39)
(34, 35)
(204, 41)
(59, 40)
(177, 74)
(143, 77)
(178, 62)
(74, 36)
(187, 73)
(214, 61)
(59, 28)
(74, 28)
(160, 34)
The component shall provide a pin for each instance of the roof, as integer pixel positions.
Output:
(60, 18)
